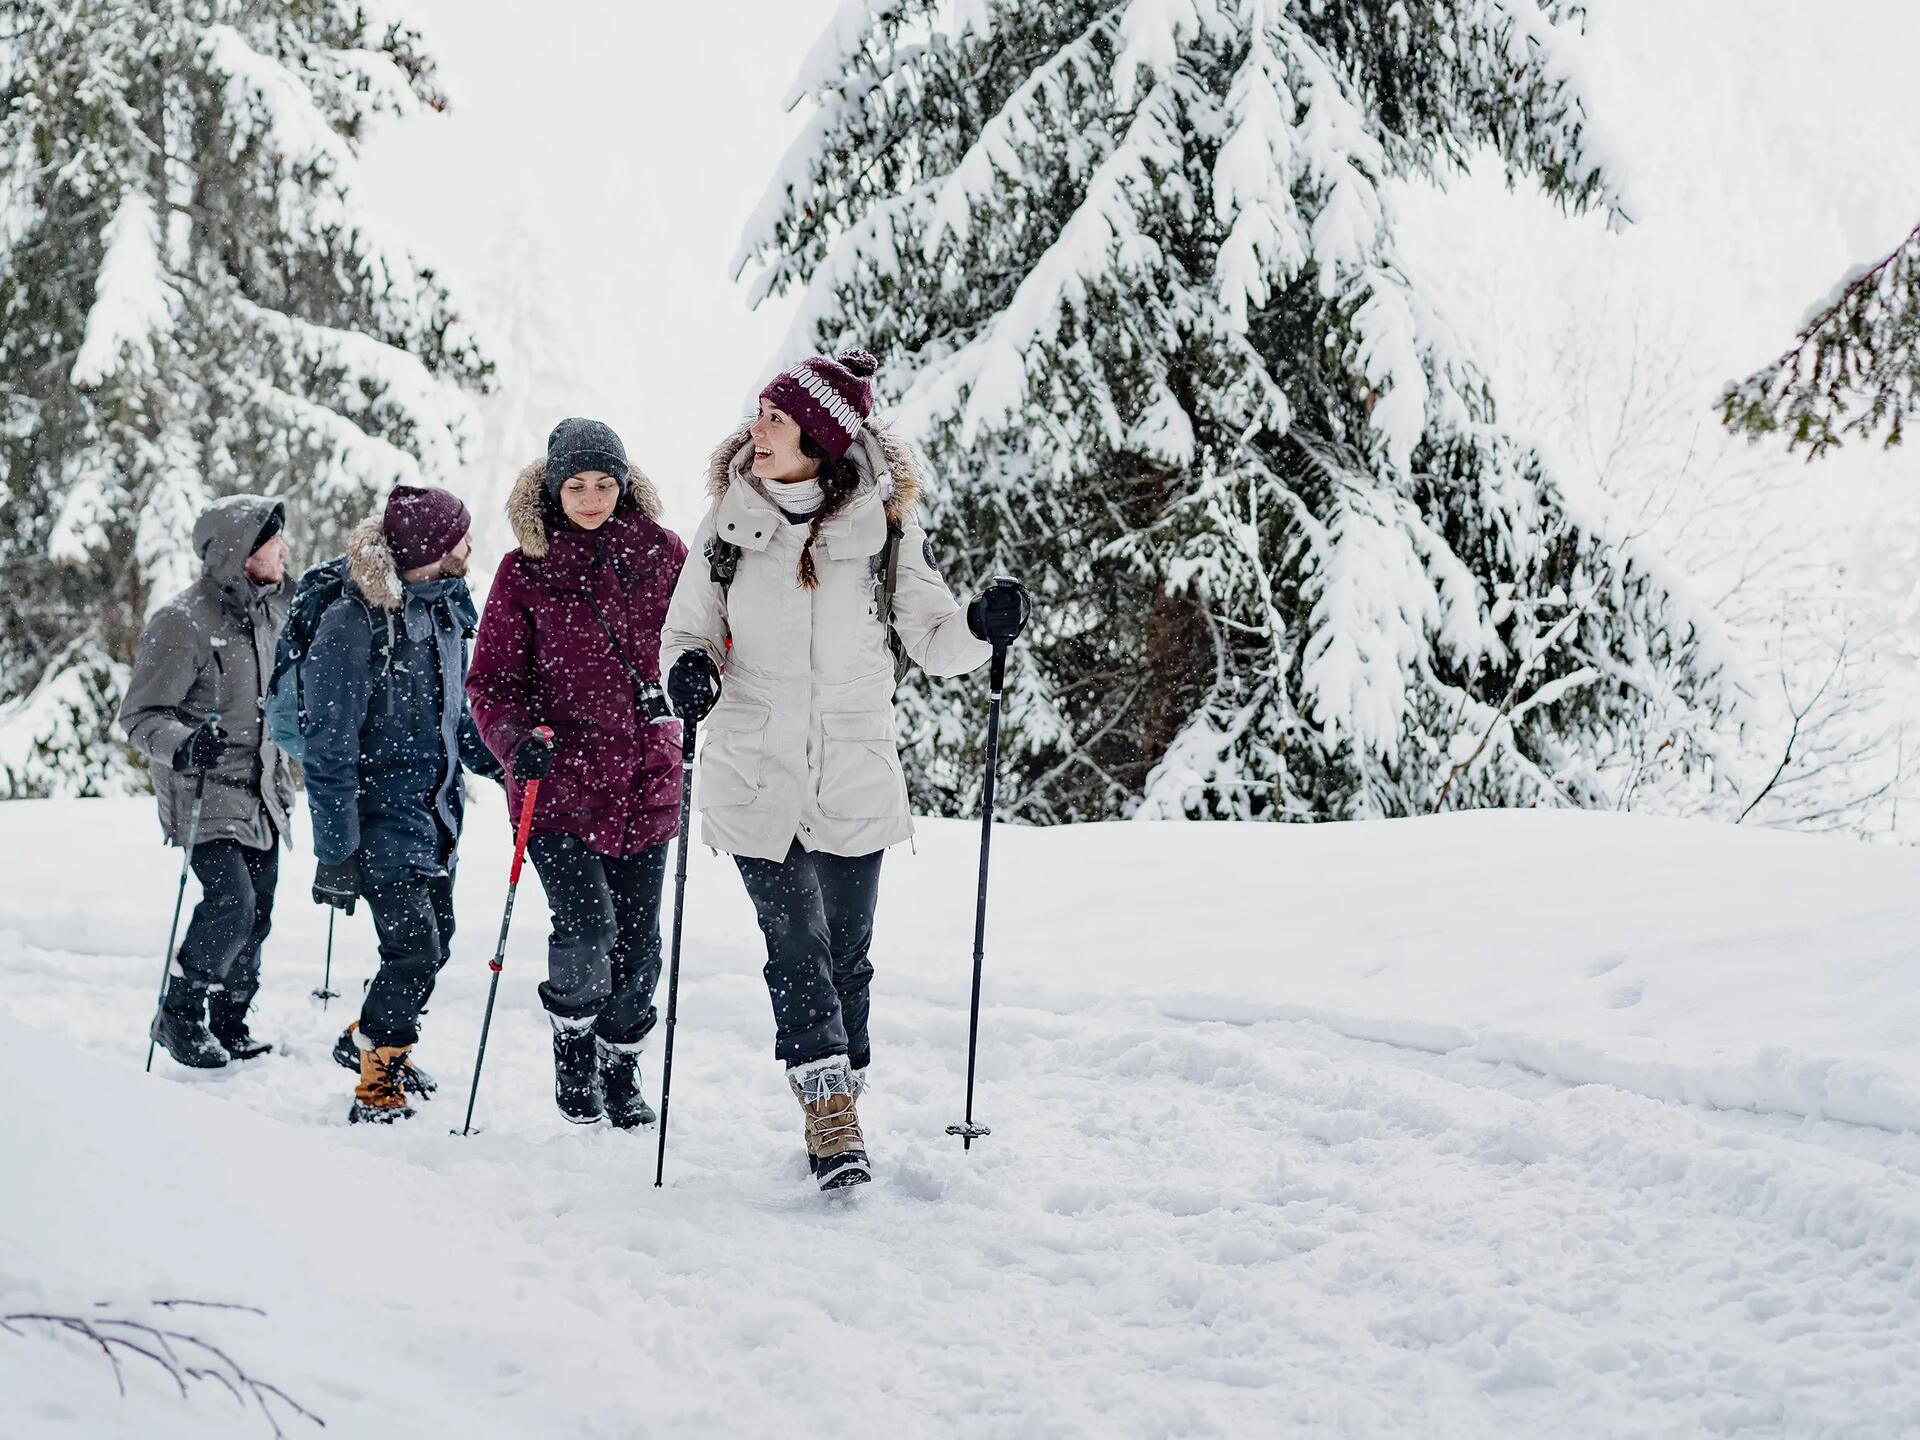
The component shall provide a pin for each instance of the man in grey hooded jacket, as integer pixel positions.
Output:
(193, 708)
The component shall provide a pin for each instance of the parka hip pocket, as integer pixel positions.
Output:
(860, 774)
(735, 750)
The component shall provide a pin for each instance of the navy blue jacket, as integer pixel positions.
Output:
(388, 724)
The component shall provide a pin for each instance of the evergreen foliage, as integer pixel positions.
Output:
(1130, 268)
(192, 303)
(1853, 370)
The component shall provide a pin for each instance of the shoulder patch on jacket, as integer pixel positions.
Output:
(926, 551)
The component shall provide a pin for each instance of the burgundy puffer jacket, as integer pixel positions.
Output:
(543, 658)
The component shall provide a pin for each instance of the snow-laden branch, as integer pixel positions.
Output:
(133, 300)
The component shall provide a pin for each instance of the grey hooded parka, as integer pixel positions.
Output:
(209, 651)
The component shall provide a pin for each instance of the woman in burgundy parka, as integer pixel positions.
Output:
(571, 640)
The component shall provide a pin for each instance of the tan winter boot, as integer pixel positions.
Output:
(836, 1150)
(378, 1099)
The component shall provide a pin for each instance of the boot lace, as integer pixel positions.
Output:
(827, 1128)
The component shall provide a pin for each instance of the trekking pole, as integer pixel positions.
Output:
(179, 899)
(688, 730)
(326, 991)
(499, 961)
(969, 1132)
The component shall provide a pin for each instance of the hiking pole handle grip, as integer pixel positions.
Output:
(525, 829)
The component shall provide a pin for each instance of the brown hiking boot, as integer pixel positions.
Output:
(378, 1099)
(836, 1150)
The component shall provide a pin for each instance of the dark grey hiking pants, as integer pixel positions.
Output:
(230, 924)
(816, 912)
(603, 953)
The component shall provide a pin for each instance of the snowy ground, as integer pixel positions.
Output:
(1262, 1160)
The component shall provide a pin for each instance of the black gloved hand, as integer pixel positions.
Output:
(200, 750)
(1000, 611)
(534, 758)
(693, 685)
(337, 885)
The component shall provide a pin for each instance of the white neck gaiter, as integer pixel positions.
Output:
(796, 497)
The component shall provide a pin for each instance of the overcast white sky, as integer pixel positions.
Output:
(638, 138)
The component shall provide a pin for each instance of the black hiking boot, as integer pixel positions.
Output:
(228, 1022)
(180, 1027)
(413, 1080)
(626, 1107)
(576, 1081)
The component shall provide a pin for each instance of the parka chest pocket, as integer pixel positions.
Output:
(735, 750)
(860, 774)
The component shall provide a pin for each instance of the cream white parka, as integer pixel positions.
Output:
(802, 744)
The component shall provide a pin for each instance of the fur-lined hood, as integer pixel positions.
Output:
(526, 506)
(370, 565)
(881, 457)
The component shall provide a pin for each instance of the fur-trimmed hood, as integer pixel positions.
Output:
(526, 505)
(881, 457)
(370, 565)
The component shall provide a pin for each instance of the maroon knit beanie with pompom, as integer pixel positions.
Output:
(829, 399)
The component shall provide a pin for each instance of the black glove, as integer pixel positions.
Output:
(534, 758)
(200, 750)
(1000, 611)
(693, 685)
(337, 885)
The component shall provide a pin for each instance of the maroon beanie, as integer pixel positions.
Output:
(828, 399)
(422, 523)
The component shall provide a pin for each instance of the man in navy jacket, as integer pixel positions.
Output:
(387, 734)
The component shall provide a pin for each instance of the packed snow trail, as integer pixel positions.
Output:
(1178, 1226)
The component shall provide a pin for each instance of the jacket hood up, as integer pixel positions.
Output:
(526, 505)
(223, 536)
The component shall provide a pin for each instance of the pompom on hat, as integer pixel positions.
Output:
(829, 399)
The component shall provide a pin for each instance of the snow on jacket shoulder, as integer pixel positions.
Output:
(802, 744)
(544, 658)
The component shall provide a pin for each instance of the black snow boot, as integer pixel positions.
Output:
(576, 1081)
(228, 1022)
(180, 1027)
(627, 1108)
(413, 1080)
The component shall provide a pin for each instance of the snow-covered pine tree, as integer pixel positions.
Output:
(192, 302)
(1129, 265)
(1854, 368)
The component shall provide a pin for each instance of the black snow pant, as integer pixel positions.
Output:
(816, 912)
(414, 920)
(220, 954)
(603, 953)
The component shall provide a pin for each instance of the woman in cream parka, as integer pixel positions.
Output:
(800, 776)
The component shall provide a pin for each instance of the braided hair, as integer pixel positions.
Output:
(839, 481)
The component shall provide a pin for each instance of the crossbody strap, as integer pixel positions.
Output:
(650, 697)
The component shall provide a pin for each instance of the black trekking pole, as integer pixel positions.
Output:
(499, 961)
(969, 1132)
(326, 991)
(688, 730)
(180, 896)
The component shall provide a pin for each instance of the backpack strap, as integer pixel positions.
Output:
(723, 562)
(889, 582)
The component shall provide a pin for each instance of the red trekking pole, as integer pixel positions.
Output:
(499, 961)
